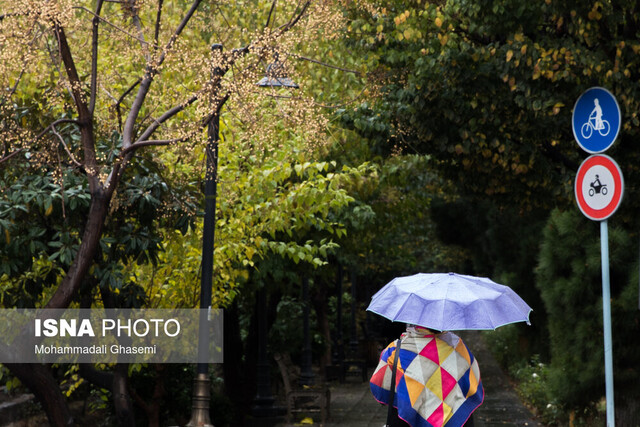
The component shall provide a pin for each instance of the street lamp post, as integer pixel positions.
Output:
(200, 417)
(201, 385)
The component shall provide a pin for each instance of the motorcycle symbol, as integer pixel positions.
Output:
(597, 187)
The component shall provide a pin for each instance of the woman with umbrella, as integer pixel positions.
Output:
(432, 379)
(437, 379)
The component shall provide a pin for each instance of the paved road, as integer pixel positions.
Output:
(353, 405)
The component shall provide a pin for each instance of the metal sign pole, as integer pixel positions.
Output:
(606, 314)
(595, 123)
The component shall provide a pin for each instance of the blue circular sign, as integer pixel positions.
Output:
(596, 120)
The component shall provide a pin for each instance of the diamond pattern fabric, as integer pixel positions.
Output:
(438, 379)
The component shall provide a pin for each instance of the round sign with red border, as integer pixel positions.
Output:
(599, 187)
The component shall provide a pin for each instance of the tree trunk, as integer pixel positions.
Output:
(121, 398)
(86, 252)
(39, 379)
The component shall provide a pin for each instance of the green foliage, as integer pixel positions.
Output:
(390, 229)
(286, 332)
(533, 385)
(486, 89)
(9, 381)
(41, 218)
(569, 279)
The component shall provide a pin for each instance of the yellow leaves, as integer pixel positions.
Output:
(511, 81)
(595, 14)
(443, 38)
(408, 33)
(523, 49)
(250, 252)
(402, 17)
(536, 72)
(519, 168)
(556, 107)
(509, 55)
(519, 37)
(7, 236)
(439, 22)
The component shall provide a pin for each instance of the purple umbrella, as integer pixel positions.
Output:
(449, 302)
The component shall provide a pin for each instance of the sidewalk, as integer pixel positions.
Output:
(352, 404)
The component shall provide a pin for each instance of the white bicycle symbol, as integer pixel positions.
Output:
(587, 129)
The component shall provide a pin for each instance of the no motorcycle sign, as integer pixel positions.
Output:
(599, 187)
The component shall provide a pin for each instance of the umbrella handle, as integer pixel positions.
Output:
(392, 394)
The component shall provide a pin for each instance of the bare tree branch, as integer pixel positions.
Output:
(55, 123)
(178, 31)
(9, 156)
(94, 57)
(8, 15)
(294, 19)
(156, 34)
(15, 86)
(119, 101)
(164, 117)
(161, 142)
(135, 17)
(84, 116)
(273, 7)
(64, 145)
(122, 30)
(40, 135)
(145, 83)
(324, 64)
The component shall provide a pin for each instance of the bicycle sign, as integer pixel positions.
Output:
(596, 120)
(602, 126)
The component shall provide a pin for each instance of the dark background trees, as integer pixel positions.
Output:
(486, 90)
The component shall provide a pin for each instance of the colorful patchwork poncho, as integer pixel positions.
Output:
(437, 381)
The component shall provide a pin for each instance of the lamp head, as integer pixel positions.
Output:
(276, 76)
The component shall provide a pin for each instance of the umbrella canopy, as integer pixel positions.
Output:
(449, 302)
